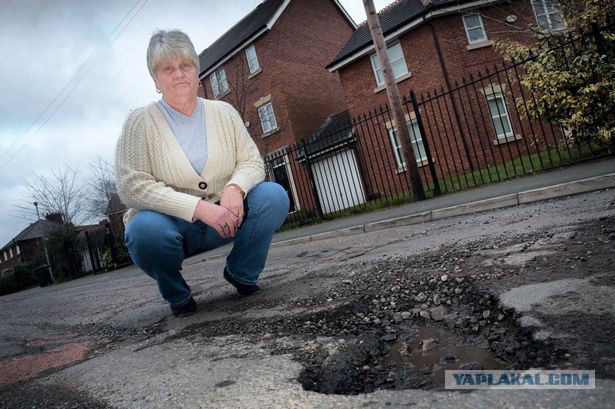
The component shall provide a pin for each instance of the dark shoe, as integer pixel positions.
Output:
(187, 309)
(242, 289)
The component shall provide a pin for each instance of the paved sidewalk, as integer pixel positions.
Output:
(560, 182)
(586, 177)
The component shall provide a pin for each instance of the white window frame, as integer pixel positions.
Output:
(219, 83)
(415, 139)
(399, 61)
(267, 117)
(10, 252)
(17, 249)
(501, 117)
(5, 257)
(548, 15)
(480, 25)
(252, 60)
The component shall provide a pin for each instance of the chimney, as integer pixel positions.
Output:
(55, 217)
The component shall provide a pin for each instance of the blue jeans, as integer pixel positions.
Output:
(158, 243)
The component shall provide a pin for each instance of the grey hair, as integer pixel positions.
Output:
(170, 44)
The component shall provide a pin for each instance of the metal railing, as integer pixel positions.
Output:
(472, 134)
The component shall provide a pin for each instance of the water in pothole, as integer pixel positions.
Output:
(416, 358)
(434, 351)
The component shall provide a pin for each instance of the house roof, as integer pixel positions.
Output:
(335, 132)
(36, 230)
(247, 27)
(392, 18)
(262, 17)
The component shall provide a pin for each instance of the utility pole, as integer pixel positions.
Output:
(412, 170)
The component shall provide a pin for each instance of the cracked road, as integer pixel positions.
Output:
(107, 341)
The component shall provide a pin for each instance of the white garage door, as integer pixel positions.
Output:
(338, 181)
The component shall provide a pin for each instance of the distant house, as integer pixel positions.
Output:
(115, 212)
(271, 67)
(28, 245)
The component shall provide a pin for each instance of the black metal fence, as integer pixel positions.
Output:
(474, 133)
(93, 251)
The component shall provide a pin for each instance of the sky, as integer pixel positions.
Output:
(71, 72)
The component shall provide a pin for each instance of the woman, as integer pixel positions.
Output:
(193, 179)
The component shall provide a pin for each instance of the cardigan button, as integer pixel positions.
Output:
(202, 185)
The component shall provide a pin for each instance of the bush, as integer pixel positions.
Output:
(116, 257)
(61, 253)
(8, 284)
(573, 85)
(24, 275)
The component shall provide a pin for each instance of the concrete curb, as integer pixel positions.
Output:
(514, 199)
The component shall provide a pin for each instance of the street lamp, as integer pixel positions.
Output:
(38, 216)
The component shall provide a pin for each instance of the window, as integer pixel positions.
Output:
(548, 15)
(475, 30)
(5, 257)
(499, 116)
(267, 117)
(219, 84)
(252, 59)
(398, 64)
(417, 144)
(11, 252)
(17, 249)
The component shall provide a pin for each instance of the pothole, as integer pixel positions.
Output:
(399, 323)
(411, 353)
(414, 359)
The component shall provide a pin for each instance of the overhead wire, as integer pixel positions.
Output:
(75, 81)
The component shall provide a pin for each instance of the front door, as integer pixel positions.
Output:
(280, 176)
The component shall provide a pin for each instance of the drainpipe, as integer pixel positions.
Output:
(204, 88)
(448, 89)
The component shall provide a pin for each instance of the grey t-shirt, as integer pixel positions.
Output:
(190, 132)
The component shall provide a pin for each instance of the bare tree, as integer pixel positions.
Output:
(59, 193)
(102, 177)
(240, 86)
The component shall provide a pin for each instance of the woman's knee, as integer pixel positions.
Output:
(272, 194)
(150, 231)
(270, 198)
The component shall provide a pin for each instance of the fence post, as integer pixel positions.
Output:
(69, 250)
(419, 121)
(88, 243)
(308, 165)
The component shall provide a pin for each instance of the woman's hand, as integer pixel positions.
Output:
(217, 217)
(232, 200)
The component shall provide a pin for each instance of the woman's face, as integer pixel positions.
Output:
(176, 79)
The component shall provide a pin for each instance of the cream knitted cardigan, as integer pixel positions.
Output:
(153, 173)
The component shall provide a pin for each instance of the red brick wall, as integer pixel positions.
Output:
(292, 57)
(422, 60)
(116, 223)
(30, 250)
(446, 138)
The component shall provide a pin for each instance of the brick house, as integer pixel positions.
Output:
(434, 45)
(270, 67)
(115, 211)
(28, 245)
